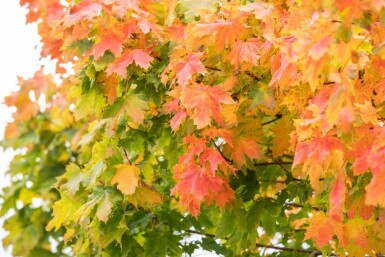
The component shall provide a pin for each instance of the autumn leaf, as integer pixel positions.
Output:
(186, 68)
(191, 9)
(127, 178)
(87, 9)
(321, 230)
(205, 101)
(221, 33)
(109, 42)
(245, 52)
(140, 57)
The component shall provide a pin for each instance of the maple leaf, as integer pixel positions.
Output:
(281, 140)
(108, 42)
(144, 197)
(178, 118)
(221, 33)
(127, 178)
(243, 142)
(336, 198)
(205, 102)
(245, 52)
(139, 56)
(321, 230)
(104, 207)
(186, 68)
(135, 107)
(191, 8)
(260, 10)
(318, 149)
(195, 184)
(87, 9)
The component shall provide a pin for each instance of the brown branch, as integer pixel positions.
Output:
(246, 72)
(220, 152)
(297, 205)
(271, 163)
(126, 154)
(287, 249)
(277, 117)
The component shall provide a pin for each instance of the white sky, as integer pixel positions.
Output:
(17, 57)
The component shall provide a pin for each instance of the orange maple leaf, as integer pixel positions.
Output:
(321, 229)
(205, 101)
(245, 52)
(111, 42)
(221, 33)
(139, 56)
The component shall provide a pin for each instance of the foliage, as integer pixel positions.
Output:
(254, 124)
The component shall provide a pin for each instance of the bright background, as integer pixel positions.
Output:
(18, 57)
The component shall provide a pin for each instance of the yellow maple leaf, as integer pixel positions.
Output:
(127, 177)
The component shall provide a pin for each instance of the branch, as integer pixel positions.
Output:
(287, 249)
(246, 72)
(277, 117)
(220, 152)
(297, 205)
(271, 163)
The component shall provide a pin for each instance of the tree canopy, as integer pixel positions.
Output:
(254, 124)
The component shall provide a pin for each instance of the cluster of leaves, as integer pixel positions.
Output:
(254, 124)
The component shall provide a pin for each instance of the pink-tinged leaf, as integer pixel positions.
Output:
(318, 149)
(336, 198)
(245, 52)
(140, 57)
(179, 117)
(186, 68)
(213, 158)
(318, 50)
(108, 42)
(206, 102)
(87, 9)
(221, 33)
(259, 9)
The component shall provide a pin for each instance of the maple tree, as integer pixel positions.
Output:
(253, 124)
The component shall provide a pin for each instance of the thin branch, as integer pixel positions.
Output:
(287, 249)
(126, 154)
(271, 163)
(220, 152)
(246, 72)
(297, 205)
(277, 117)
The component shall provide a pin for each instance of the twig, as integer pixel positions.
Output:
(220, 152)
(287, 249)
(297, 205)
(271, 163)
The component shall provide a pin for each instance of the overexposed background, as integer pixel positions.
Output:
(18, 57)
